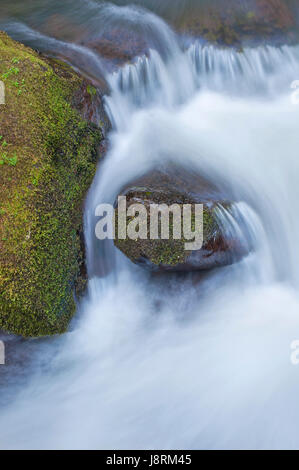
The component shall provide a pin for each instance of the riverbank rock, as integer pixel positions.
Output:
(222, 244)
(236, 23)
(48, 157)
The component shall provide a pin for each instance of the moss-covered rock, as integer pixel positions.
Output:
(173, 185)
(48, 157)
(238, 22)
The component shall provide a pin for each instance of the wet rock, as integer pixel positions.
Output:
(173, 185)
(62, 27)
(119, 46)
(236, 23)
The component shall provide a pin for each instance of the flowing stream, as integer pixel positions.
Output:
(173, 362)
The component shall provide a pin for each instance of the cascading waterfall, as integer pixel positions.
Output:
(257, 70)
(173, 363)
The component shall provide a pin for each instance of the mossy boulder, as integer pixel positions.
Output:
(48, 157)
(175, 185)
(118, 46)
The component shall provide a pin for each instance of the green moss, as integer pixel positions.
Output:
(91, 90)
(53, 155)
(169, 253)
(250, 15)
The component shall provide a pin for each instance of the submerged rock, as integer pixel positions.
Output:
(118, 46)
(237, 23)
(48, 157)
(223, 244)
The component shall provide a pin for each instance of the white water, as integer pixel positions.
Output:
(173, 363)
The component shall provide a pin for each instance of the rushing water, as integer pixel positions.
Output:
(173, 362)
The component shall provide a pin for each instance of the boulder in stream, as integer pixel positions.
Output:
(224, 239)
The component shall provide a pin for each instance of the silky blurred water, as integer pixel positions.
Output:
(181, 362)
